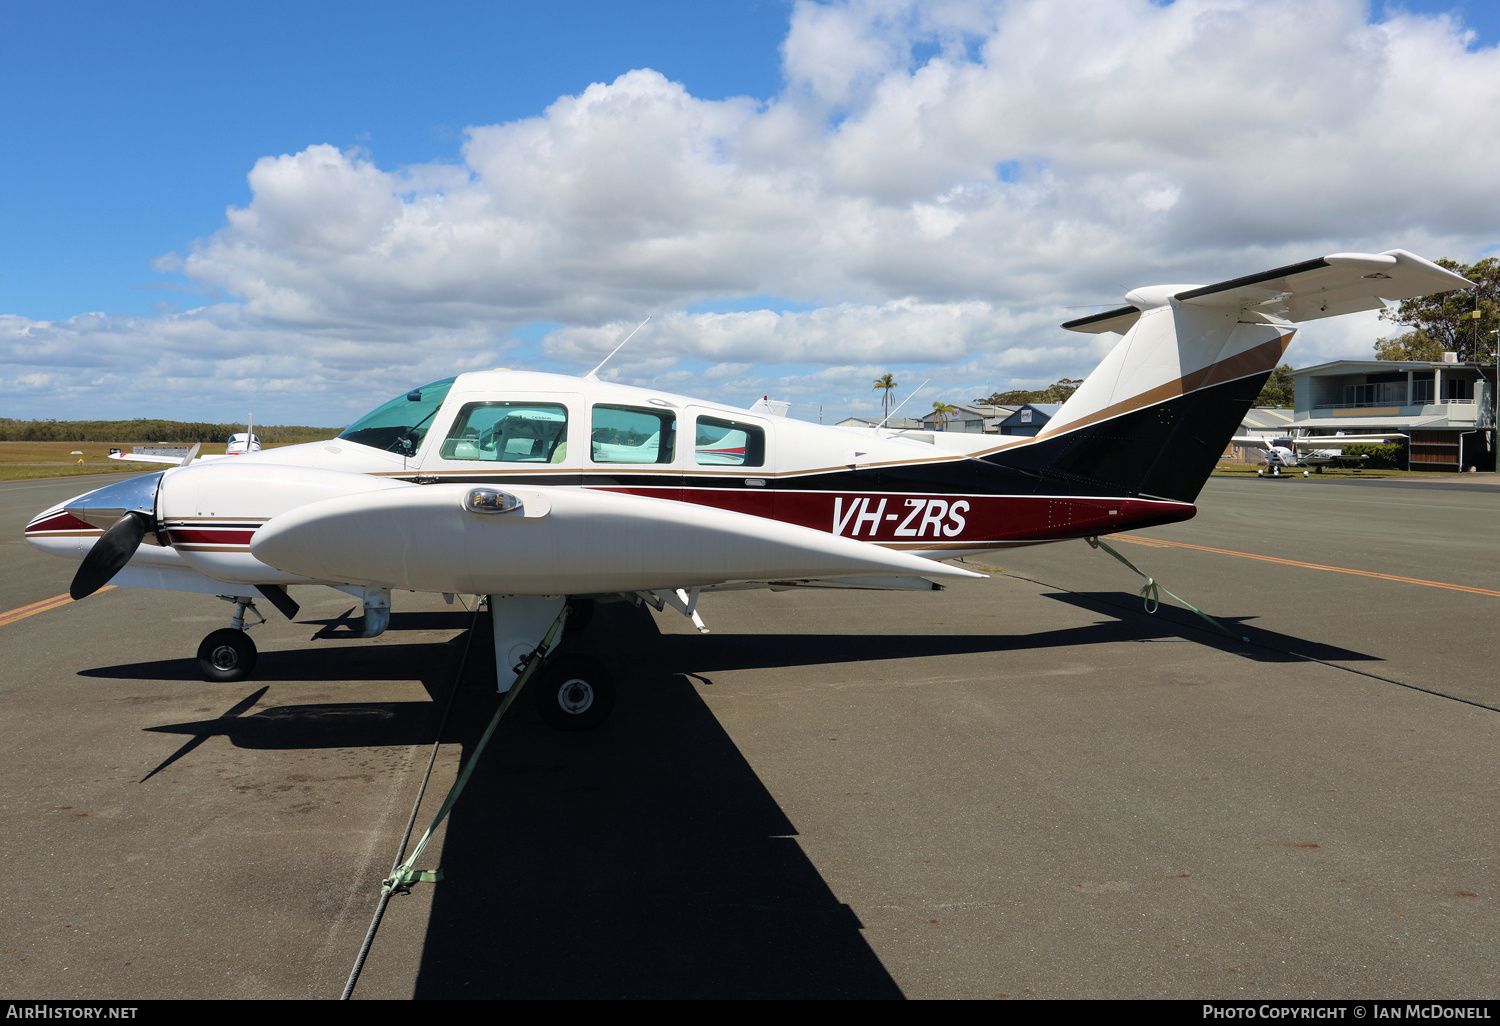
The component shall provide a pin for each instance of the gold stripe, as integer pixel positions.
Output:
(1159, 543)
(41, 607)
(1251, 361)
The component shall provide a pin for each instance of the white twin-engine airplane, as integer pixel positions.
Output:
(540, 490)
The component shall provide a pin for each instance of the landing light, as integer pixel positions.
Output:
(490, 500)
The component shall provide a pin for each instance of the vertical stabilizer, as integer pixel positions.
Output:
(1155, 416)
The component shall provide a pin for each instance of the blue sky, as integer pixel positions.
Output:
(130, 127)
(852, 216)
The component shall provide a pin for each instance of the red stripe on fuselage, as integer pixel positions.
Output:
(904, 518)
(206, 536)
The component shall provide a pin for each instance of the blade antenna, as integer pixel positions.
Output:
(593, 375)
(902, 403)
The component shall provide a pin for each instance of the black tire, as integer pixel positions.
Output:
(580, 615)
(575, 693)
(226, 655)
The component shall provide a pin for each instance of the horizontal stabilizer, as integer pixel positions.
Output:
(1120, 321)
(1338, 284)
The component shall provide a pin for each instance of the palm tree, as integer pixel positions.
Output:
(887, 382)
(943, 411)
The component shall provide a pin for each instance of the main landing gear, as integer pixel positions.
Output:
(574, 693)
(228, 654)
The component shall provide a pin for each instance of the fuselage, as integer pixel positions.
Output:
(936, 494)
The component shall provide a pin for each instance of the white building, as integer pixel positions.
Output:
(1446, 408)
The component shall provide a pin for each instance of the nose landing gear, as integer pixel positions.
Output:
(228, 654)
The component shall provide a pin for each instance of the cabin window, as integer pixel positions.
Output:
(400, 424)
(509, 432)
(630, 434)
(728, 443)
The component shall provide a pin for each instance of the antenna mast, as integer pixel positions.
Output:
(902, 403)
(593, 375)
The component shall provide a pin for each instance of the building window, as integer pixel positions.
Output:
(1384, 393)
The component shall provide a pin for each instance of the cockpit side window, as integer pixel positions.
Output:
(400, 425)
(509, 432)
(631, 434)
(729, 443)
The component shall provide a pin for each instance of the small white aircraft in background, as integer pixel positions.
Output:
(541, 490)
(1316, 451)
(238, 444)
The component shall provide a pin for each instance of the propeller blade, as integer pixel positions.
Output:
(109, 555)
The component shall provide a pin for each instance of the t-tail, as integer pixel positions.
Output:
(1155, 416)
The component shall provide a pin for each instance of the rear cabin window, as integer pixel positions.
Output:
(509, 432)
(727, 443)
(630, 434)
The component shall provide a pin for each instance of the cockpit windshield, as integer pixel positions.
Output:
(400, 424)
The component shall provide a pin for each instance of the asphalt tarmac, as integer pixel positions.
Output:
(1021, 787)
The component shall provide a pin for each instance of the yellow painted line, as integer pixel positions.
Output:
(1380, 502)
(1159, 543)
(40, 607)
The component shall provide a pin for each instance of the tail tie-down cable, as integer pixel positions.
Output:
(1150, 591)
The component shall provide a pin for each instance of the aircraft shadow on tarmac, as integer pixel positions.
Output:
(645, 858)
(360, 661)
(1171, 622)
(642, 859)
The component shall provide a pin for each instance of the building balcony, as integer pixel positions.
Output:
(1455, 411)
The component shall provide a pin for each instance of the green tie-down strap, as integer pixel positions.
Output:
(1150, 591)
(404, 876)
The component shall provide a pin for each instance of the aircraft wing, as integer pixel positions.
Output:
(171, 461)
(1339, 441)
(1336, 284)
(528, 540)
(1253, 441)
(130, 457)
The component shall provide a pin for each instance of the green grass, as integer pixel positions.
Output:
(21, 461)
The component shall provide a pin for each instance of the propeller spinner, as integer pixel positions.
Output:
(127, 511)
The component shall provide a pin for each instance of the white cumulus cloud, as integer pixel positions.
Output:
(934, 187)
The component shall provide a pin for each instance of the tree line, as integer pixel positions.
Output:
(1463, 322)
(147, 430)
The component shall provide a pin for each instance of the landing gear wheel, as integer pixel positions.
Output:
(580, 614)
(226, 655)
(576, 693)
